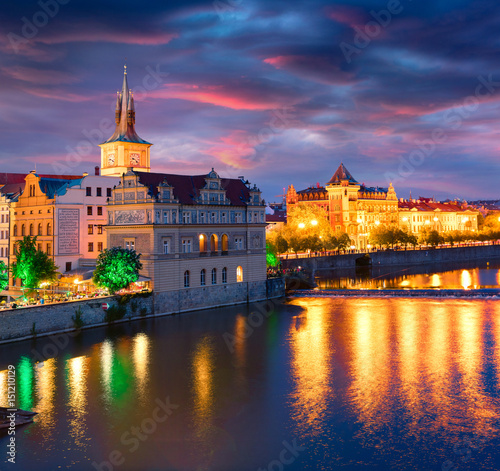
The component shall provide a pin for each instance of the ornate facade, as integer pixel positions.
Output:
(357, 209)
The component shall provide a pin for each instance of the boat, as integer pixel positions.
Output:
(22, 417)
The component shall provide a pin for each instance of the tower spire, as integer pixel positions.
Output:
(125, 115)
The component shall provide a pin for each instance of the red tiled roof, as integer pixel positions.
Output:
(428, 206)
(187, 187)
(275, 217)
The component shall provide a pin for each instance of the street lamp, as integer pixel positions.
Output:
(314, 222)
(436, 219)
(405, 219)
(302, 225)
(377, 222)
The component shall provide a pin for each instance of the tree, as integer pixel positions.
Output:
(271, 259)
(343, 241)
(4, 276)
(117, 268)
(32, 266)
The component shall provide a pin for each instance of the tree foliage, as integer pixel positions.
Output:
(4, 276)
(271, 259)
(32, 266)
(117, 268)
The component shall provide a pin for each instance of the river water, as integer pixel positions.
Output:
(313, 384)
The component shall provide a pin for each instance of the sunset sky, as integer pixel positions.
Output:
(278, 91)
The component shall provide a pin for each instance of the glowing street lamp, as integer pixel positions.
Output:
(436, 219)
(302, 225)
(377, 222)
(405, 219)
(314, 222)
(360, 220)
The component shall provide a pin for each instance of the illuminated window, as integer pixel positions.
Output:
(99, 210)
(99, 229)
(90, 229)
(91, 246)
(203, 274)
(239, 274)
(224, 275)
(40, 229)
(23, 230)
(89, 210)
(99, 246)
(203, 243)
(186, 279)
(214, 276)
(214, 243)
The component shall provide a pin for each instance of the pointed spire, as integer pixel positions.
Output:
(342, 174)
(125, 115)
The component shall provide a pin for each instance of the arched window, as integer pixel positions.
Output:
(239, 274)
(203, 274)
(31, 230)
(15, 230)
(224, 243)
(214, 243)
(49, 229)
(23, 230)
(214, 276)
(186, 279)
(40, 229)
(203, 243)
(224, 275)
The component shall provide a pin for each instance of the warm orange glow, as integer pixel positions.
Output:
(239, 274)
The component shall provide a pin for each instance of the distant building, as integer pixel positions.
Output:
(357, 209)
(11, 186)
(68, 216)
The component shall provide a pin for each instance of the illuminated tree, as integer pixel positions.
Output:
(4, 276)
(117, 268)
(271, 259)
(32, 266)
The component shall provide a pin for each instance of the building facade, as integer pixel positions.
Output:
(68, 216)
(201, 238)
(357, 209)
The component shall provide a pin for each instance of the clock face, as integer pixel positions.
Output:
(111, 159)
(134, 159)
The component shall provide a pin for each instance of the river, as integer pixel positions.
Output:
(313, 384)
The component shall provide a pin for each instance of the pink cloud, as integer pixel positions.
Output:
(57, 94)
(346, 15)
(39, 76)
(220, 95)
(236, 150)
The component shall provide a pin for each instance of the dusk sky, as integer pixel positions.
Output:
(278, 91)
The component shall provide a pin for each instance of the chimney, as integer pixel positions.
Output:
(97, 170)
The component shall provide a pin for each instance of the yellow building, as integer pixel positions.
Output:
(357, 209)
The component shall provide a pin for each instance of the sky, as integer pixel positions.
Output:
(280, 92)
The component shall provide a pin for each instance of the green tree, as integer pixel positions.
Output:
(32, 266)
(271, 259)
(4, 276)
(343, 241)
(117, 268)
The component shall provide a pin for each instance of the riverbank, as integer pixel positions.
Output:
(395, 257)
(400, 293)
(51, 319)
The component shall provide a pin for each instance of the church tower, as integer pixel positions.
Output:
(124, 149)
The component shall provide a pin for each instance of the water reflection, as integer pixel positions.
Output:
(141, 365)
(77, 398)
(487, 276)
(311, 367)
(106, 355)
(45, 374)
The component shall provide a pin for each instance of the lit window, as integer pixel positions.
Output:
(214, 276)
(99, 246)
(239, 274)
(91, 246)
(99, 210)
(89, 210)
(99, 229)
(186, 279)
(90, 229)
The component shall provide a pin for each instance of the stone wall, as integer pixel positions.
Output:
(16, 324)
(397, 257)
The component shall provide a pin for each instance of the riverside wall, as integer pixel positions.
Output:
(47, 319)
(397, 257)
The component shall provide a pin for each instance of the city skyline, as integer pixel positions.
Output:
(398, 91)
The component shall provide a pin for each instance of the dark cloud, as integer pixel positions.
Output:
(211, 77)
